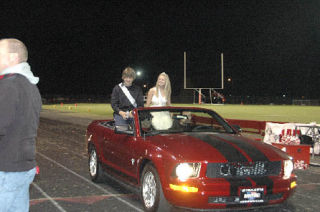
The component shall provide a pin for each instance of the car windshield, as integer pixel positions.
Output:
(156, 121)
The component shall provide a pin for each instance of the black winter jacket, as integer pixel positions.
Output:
(20, 105)
(119, 100)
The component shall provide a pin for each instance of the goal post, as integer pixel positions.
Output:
(198, 90)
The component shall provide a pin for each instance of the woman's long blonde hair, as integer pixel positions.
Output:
(167, 87)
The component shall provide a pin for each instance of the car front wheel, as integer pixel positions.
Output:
(151, 191)
(95, 169)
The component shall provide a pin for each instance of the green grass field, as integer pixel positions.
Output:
(282, 113)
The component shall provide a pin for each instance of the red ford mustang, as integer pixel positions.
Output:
(190, 158)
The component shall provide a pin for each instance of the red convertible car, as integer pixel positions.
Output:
(190, 158)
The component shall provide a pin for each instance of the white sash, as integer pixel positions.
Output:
(128, 95)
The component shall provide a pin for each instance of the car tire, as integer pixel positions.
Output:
(95, 169)
(151, 191)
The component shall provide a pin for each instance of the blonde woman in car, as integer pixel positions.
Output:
(160, 94)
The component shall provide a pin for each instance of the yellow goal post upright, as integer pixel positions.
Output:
(198, 90)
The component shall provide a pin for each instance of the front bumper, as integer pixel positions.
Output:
(226, 193)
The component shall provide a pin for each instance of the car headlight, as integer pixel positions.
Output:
(185, 171)
(288, 168)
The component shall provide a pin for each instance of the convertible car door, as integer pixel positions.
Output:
(123, 149)
(108, 153)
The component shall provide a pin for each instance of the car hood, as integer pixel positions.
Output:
(215, 147)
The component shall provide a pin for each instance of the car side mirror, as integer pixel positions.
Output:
(237, 127)
(123, 129)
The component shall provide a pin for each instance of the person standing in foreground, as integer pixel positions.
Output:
(125, 97)
(20, 105)
(160, 95)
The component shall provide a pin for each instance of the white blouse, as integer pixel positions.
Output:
(158, 101)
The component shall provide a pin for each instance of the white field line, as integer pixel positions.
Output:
(90, 182)
(306, 184)
(77, 197)
(49, 198)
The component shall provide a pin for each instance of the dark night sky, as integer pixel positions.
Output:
(80, 47)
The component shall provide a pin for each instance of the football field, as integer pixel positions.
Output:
(281, 113)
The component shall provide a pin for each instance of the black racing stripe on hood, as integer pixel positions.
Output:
(264, 181)
(227, 150)
(254, 153)
(236, 183)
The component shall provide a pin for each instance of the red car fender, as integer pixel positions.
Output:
(164, 166)
(157, 159)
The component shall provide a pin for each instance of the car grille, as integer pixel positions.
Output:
(243, 169)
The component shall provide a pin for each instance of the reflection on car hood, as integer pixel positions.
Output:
(213, 147)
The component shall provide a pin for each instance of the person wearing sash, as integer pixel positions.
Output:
(125, 97)
(160, 94)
